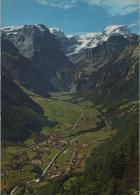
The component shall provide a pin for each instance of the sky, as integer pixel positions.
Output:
(72, 16)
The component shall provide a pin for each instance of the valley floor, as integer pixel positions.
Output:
(75, 128)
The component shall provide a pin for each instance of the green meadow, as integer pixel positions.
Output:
(66, 119)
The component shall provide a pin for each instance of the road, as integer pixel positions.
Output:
(63, 149)
(13, 190)
(75, 125)
(51, 162)
(73, 156)
(37, 180)
(56, 155)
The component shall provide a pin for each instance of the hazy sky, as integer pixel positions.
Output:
(72, 16)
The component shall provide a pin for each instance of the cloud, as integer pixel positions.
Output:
(135, 24)
(64, 4)
(112, 7)
(117, 7)
(132, 25)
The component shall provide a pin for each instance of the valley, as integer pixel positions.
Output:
(70, 111)
(72, 134)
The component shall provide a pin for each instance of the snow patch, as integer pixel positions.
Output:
(11, 28)
(39, 27)
(117, 29)
(78, 42)
(57, 32)
(91, 40)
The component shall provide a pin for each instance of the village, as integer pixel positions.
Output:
(43, 151)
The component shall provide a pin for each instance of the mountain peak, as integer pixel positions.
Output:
(57, 32)
(15, 29)
(72, 43)
(117, 29)
(80, 42)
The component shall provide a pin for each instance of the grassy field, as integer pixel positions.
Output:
(64, 114)
(65, 119)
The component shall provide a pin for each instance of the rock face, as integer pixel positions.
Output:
(38, 45)
(22, 70)
(67, 42)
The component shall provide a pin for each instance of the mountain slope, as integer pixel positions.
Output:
(20, 115)
(38, 45)
(22, 69)
(110, 61)
(74, 46)
(114, 80)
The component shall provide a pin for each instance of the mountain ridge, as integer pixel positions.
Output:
(39, 46)
(90, 39)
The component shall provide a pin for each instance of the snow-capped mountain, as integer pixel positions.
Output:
(72, 44)
(40, 48)
(13, 30)
(117, 29)
(76, 43)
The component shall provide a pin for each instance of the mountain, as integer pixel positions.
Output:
(110, 62)
(65, 41)
(39, 46)
(22, 69)
(99, 55)
(31, 57)
(76, 45)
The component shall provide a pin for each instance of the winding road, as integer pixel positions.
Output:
(55, 157)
